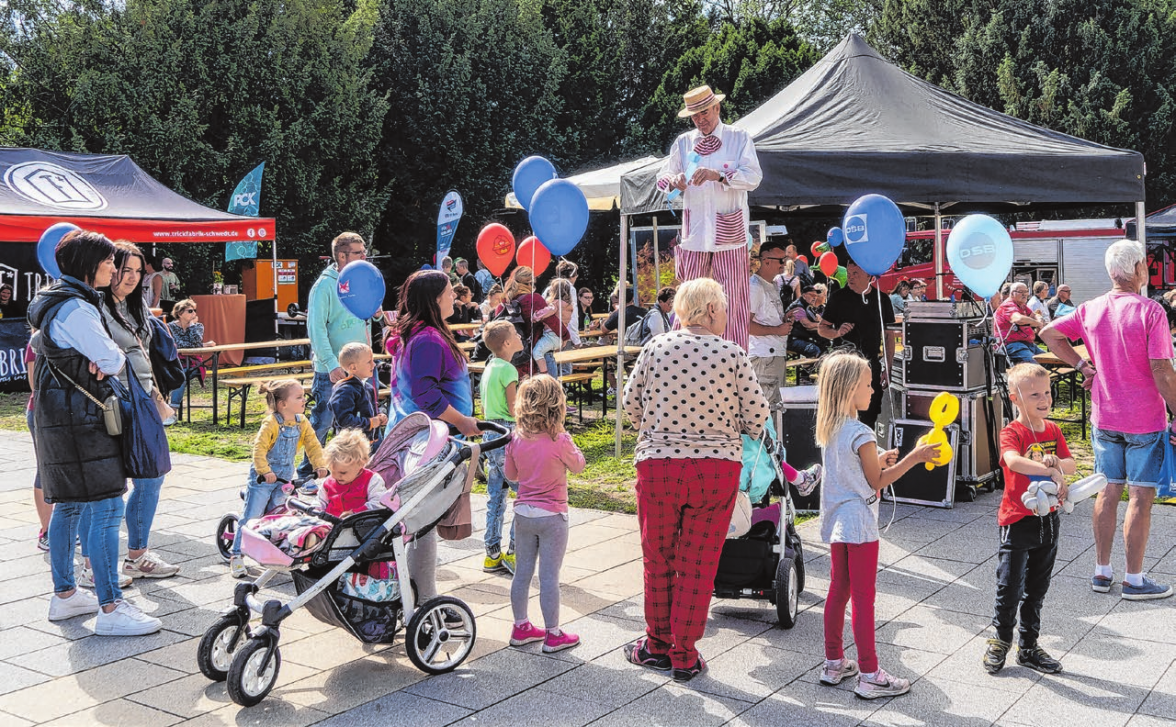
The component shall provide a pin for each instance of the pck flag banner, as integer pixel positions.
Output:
(245, 201)
(447, 220)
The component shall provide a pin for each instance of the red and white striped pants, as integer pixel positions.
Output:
(732, 270)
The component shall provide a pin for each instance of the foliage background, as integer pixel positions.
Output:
(367, 111)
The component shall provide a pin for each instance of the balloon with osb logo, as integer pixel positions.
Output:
(980, 253)
(875, 233)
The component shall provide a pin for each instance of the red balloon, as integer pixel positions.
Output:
(496, 246)
(533, 255)
(803, 258)
(828, 264)
(815, 249)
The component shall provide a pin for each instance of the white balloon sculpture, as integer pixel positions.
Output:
(1042, 495)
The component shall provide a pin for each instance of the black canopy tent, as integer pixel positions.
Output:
(855, 124)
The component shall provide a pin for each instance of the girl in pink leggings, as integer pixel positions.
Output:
(855, 472)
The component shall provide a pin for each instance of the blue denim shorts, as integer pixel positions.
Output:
(1132, 459)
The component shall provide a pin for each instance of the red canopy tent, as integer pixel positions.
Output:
(102, 192)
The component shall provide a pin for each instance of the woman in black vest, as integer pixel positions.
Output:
(80, 464)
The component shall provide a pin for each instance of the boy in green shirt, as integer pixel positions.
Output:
(499, 382)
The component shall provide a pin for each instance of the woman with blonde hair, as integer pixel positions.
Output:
(691, 398)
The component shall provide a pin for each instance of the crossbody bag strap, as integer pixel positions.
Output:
(77, 386)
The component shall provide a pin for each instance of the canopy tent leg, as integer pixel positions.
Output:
(939, 253)
(274, 270)
(1141, 235)
(656, 262)
(620, 328)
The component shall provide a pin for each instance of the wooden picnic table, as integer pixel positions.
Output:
(464, 327)
(212, 354)
(1062, 370)
(587, 354)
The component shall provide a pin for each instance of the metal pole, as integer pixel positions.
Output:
(621, 328)
(277, 308)
(938, 256)
(656, 261)
(1141, 236)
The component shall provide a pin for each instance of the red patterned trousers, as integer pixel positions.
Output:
(684, 508)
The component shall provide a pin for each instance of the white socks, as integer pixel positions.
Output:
(1134, 579)
(1103, 571)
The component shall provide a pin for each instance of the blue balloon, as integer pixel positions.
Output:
(559, 216)
(835, 236)
(361, 289)
(529, 176)
(426, 266)
(47, 246)
(980, 253)
(875, 233)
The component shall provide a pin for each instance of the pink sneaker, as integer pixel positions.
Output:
(526, 634)
(558, 642)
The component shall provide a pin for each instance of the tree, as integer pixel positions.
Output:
(750, 64)
(474, 89)
(1096, 69)
(198, 93)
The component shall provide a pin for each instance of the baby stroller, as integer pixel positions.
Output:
(226, 528)
(767, 562)
(429, 471)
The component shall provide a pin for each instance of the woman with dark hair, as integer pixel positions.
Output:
(127, 318)
(80, 464)
(429, 374)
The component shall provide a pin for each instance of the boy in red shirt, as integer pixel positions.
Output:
(1031, 449)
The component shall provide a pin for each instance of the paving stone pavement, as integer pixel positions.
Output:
(935, 597)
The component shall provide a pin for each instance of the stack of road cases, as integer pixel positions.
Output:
(947, 347)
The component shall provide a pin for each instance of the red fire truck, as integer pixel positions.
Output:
(1069, 251)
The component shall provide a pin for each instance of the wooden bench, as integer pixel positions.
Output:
(581, 381)
(262, 368)
(239, 389)
(797, 363)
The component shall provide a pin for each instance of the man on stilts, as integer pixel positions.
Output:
(714, 166)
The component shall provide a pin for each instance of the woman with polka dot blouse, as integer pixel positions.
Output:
(691, 397)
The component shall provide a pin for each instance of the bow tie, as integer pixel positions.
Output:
(707, 145)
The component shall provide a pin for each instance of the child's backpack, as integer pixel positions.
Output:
(512, 312)
(639, 333)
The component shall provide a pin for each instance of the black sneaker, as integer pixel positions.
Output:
(685, 674)
(636, 653)
(995, 654)
(1035, 658)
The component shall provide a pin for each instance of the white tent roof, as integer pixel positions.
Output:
(602, 187)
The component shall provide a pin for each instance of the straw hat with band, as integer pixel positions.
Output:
(698, 100)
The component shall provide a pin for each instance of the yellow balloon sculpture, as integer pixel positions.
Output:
(944, 410)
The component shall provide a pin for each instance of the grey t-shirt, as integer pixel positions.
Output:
(845, 516)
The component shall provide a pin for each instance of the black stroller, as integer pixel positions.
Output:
(768, 561)
(429, 471)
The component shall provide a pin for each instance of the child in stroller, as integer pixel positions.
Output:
(430, 472)
(763, 557)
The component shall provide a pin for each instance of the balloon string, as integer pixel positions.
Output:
(887, 368)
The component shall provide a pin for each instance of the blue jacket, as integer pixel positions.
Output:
(353, 404)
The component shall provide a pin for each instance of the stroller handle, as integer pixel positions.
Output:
(312, 510)
(502, 441)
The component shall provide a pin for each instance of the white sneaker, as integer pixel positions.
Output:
(126, 620)
(85, 578)
(237, 567)
(81, 603)
(809, 479)
(169, 421)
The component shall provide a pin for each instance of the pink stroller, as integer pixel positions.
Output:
(429, 471)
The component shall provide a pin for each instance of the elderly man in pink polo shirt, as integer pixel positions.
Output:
(1131, 378)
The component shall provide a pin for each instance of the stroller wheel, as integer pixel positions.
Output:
(214, 656)
(252, 675)
(799, 548)
(226, 533)
(440, 635)
(786, 592)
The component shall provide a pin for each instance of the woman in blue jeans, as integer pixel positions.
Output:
(126, 317)
(79, 463)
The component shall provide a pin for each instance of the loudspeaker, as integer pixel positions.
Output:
(978, 455)
(796, 421)
(935, 487)
(259, 326)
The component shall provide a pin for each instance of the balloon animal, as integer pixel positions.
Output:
(944, 410)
